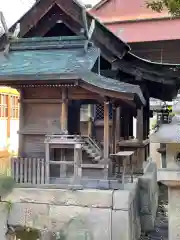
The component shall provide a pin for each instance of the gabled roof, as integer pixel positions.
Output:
(102, 37)
(72, 14)
(60, 60)
(109, 84)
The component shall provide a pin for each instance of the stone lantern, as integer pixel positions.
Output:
(169, 135)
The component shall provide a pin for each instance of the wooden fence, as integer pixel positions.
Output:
(28, 170)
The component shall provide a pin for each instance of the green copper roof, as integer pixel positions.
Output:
(112, 84)
(47, 56)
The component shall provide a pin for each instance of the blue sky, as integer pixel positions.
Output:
(14, 9)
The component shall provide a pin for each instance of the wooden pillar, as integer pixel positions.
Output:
(145, 120)
(122, 123)
(140, 125)
(113, 129)
(47, 164)
(21, 122)
(90, 123)
(64, 110)
(77, 164)
(118, 123)
(130, 124)
(8, 119)
(126, 124)
(140, 136)
(106, 130)
(148, 116)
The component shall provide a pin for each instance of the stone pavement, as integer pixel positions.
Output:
(160, 231)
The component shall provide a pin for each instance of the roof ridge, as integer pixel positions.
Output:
(48, 39)
(40, 43)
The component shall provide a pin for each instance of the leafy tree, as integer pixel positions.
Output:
(173, 6)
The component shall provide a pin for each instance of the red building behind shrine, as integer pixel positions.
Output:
(151, 35)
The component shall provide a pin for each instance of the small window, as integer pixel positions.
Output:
(3, 105)
(99, 112)
(14, 107)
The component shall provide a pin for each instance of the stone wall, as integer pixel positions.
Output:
(103, 214)
(148, 196)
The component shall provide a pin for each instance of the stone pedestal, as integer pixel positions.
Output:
(174, 209)
(174, 213)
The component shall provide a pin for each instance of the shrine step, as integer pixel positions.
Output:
(92, 151)
(93, 166)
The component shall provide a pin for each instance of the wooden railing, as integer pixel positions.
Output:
(28, 170)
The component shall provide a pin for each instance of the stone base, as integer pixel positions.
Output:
(101, 214)
(174, 213)
(148, 197)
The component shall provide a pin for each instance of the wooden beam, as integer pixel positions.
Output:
(64, 110)
(77, 164)
(118, 123)
(21, 122)
(114, 118)
(47, 161)
(43, 26)
(126, 123)
(8, 118)
(90, 123)
(140, 124)
(32, 17)
(106, 130)
(42, 101)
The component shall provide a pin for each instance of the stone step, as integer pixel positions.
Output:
(98, 158)
(89, 149)
(93, 166)
(93, 153)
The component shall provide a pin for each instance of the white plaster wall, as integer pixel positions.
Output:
(3, 134)
(14, 127)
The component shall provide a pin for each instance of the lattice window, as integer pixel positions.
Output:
(14, 107)
(99, 111)
(3, 106)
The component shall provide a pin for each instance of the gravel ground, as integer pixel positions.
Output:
(160, 231)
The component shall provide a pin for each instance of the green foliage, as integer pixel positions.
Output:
(173, 6)
(6, 185)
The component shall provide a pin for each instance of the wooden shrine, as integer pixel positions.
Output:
(51, 98)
